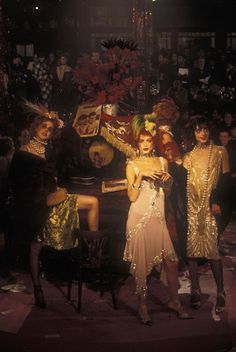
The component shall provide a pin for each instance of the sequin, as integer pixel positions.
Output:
(202, 237)
(63, 219)
(148, 242)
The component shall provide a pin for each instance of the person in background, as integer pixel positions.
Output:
(6, 153)
(226, 141)
(23, 137)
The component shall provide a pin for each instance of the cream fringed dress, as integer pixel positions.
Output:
(148, 241)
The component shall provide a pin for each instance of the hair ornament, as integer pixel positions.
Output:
(41, 110)
(150, 127)
(144, 121)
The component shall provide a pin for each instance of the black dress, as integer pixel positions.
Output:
(31, 181)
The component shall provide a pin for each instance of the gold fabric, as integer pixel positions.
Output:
(63, 219)
(202, 237)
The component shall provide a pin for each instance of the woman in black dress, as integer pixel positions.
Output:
(43, 212)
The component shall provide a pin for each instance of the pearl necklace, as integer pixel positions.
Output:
(38, 146)
(191, 210)
(145, 156)
(201, 146)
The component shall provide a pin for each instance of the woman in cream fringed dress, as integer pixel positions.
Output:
(148, 243)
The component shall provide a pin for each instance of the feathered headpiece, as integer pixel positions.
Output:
(41, 110)
(147, 122)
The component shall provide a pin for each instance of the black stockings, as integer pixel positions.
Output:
(35, 249)
(217, 270)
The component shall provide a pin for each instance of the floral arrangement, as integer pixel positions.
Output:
(112, 78)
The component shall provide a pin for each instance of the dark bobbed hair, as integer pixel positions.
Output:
(200, 122)
(37, 122)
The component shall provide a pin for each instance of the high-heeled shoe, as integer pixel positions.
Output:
(39, 299)
(144, 316)
(195, 299)
(179, 310)
(220, 302)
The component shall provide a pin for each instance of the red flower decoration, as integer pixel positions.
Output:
(111, 79)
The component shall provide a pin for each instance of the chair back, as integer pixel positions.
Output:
(94, 248)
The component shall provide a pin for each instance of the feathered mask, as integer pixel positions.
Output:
(41, 110)
(147, 122)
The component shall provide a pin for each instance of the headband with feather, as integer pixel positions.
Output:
(41, 110)
(146, 121)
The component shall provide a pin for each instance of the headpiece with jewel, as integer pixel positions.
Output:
(41, 110)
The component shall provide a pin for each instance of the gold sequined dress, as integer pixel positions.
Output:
(59, 231)
(148, 241)
(202, 236)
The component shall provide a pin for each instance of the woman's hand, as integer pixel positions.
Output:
(151, 173)
(56, 197)
(165, 176)
(215, 209)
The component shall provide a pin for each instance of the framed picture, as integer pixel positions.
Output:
(87, 120)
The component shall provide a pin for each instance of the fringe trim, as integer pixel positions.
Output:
(127, 149)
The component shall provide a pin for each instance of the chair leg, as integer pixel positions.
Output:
(69, 290)
(113, 295)
(80, 284)
(101, 284)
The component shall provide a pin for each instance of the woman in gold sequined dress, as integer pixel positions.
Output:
(148, 243)
(44, 214)
(204, 165)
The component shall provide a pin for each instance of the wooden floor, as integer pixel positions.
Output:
(100, 328)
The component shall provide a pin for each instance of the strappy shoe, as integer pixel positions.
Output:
(220, 302)
(39, 297)
(179, 310)
(195, 299)
(144, 316)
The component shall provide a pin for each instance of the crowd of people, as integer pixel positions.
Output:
(196, 149)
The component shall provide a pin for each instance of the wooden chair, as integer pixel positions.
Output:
(93, 261)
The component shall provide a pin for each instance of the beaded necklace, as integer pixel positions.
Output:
(191, 210)
(38, 146)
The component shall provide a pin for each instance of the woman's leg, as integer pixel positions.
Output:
(172, 278)
(193, 272)
(195, 299)
(35, 249)
(173, 284)
(217, 269)
(91, 204)
(143, 309)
